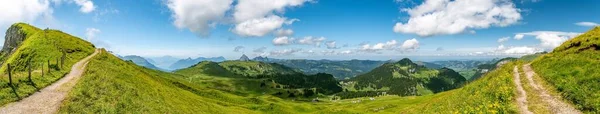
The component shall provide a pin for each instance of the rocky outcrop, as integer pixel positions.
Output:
(14, 37)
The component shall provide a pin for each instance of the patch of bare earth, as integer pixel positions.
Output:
(556, 105)
(521, 93)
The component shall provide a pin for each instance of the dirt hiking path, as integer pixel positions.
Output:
(49, 99)
(556, 105)
(521, 93)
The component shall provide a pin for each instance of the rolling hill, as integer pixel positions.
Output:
(406, 78)
(184, 63)
(573, 69)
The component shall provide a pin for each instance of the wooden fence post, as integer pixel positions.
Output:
(9, 74)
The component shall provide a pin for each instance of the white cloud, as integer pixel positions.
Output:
(521, 50)
(90, 33)
(379, 46)
(551, 39)
(198, 15)
(260, 26)
(285, 52)
(12, 11)
(279, 41)
(256, 18)
(309, 40)
(439, 17)
(238, 48)
(587, 24)
(284, 32)
(503, 39)
(87, 6)
(254, 9)
(501, 47)
(411, 44)
(331, 45)
(346, 52)
(519, 36)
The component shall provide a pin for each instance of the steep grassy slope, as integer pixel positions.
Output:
(111, 85)
(573, 69)
(39, 48)
(406, 78)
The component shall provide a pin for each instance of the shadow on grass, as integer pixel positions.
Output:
(34, 86)
(14, 90)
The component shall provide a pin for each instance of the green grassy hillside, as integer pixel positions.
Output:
(573, 69)
(111, 85)
(206, 68)
(406, 78)
(39, 47)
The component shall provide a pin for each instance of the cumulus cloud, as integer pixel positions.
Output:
(551, 39)
(285, 52)
(503, 39)
(260, 27)
(238, 49)
(587, 24)
(284, 32)
(440, 17)
(253, 9)
(411, 44)
(519, 36)
(198, 15)
(256, 18)
(346, 52)
(379, 46)
(331, 45)
(90, 33)
(279, 41)
(12, 11)
(87, 6)
(309, 40)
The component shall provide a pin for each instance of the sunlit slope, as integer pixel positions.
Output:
(406, 78)
(111, 85)
(38, 48)
(573, 68)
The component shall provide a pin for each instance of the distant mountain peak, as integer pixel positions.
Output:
(405, 61)
(244, 58)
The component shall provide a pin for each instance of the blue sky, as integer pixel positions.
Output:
(361, 29)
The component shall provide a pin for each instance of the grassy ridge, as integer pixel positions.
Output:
(39, 47)
(573, 69)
